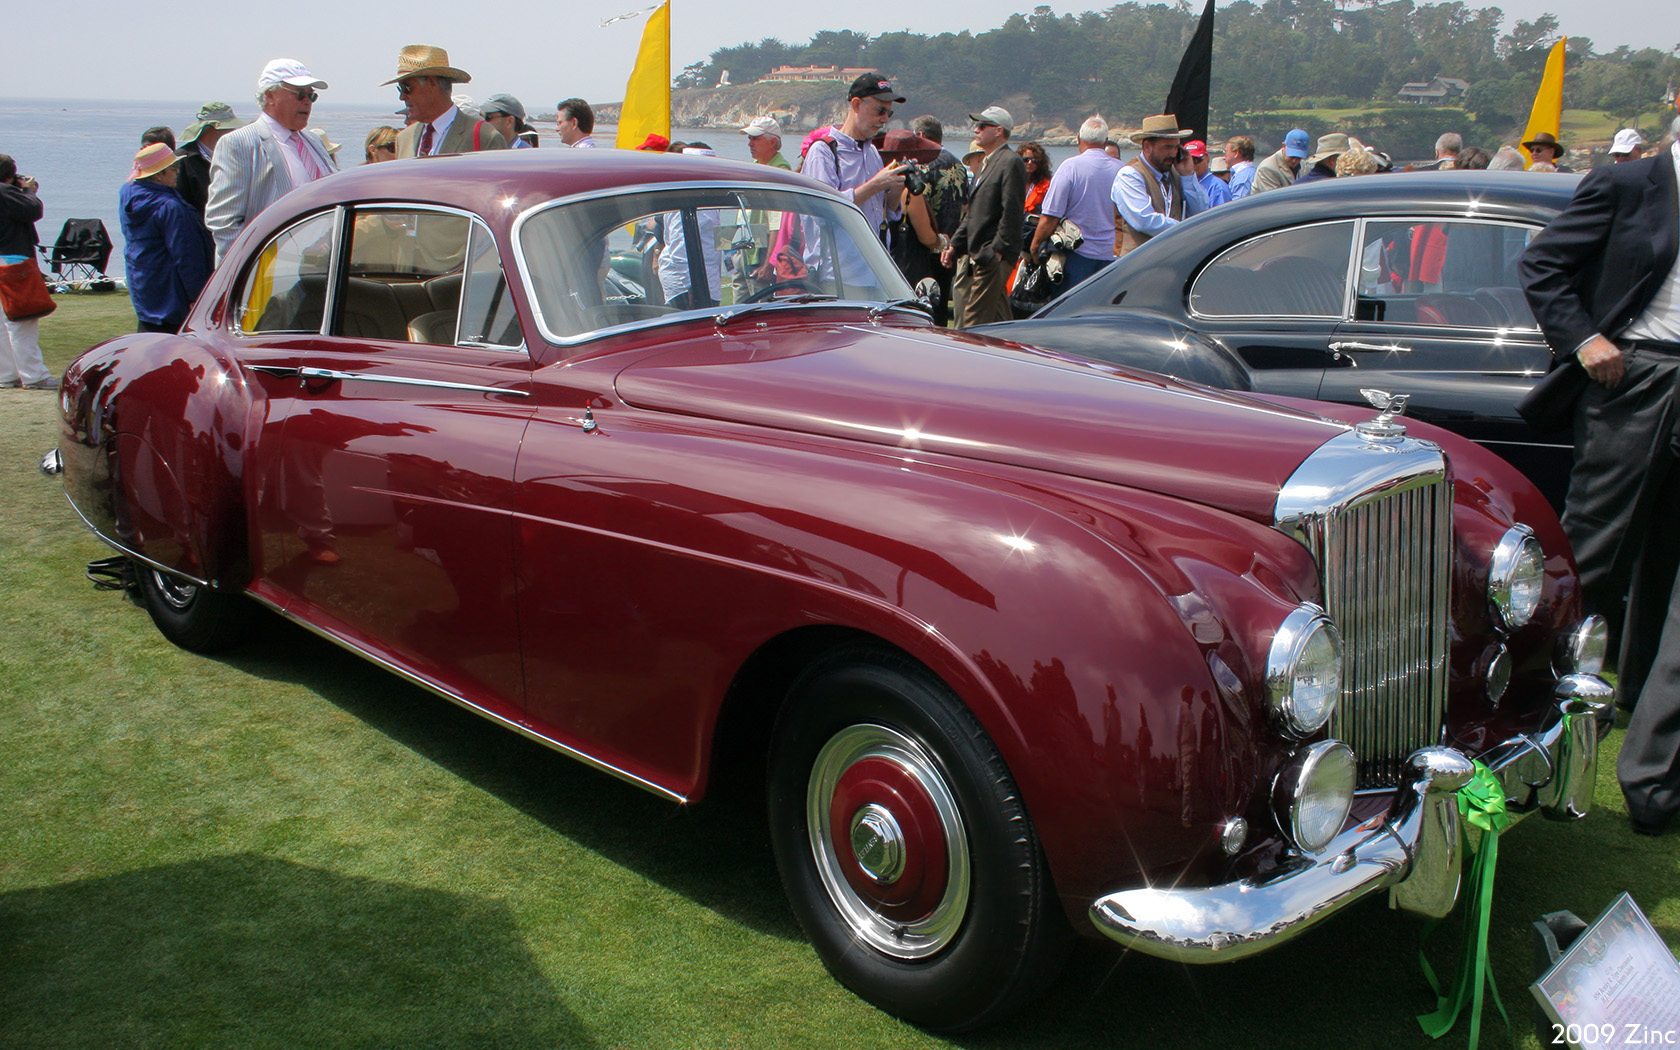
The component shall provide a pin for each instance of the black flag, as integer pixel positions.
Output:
(1188, 99)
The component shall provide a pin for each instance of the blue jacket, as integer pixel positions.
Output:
(168, 253)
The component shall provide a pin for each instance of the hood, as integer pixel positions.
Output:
(930, 392)
(143, 200)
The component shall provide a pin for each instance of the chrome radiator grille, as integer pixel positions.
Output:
(1385, 558)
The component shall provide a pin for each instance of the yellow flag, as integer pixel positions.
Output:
(647, 98)
(1547, 114)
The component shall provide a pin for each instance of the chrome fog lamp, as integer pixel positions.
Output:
(1516, 577)
(1304, 671)
(1582, 650)
(1313, 792)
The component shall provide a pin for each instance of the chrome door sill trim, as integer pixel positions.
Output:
(461, 701)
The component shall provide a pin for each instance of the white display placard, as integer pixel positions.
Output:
(1616, 986)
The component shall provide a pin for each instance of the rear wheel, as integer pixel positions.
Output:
(193, 617)
(904, 846)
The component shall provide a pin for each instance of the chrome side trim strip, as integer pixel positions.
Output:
(333, 375)
(136, 555)
(461, 701)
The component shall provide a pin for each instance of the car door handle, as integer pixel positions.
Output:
(331, 375)
(1371, 348)
(279, 371)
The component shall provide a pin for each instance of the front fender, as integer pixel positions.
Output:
(152, 438)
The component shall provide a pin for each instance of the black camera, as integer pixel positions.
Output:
(915, 178)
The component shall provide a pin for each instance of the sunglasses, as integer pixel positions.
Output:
(303, 94)
(983, 125)
(387, 147)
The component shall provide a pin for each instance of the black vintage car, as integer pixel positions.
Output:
(1401, 283)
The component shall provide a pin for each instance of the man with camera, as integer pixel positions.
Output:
(20, 345)
(1159, 189)
(988, 242)
(848, 161)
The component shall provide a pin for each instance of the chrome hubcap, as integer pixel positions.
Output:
(889, 841)
(878, 843)
(177, 592)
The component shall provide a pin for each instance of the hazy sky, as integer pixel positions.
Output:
(195, 50)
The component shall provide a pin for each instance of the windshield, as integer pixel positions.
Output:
(610, 261)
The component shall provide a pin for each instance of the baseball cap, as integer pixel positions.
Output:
(762, 126)
(1297, 144)
(873, 85)
(503, 104)
(994, 115)
(1627, 140)
(288, 71)
(1196, 148)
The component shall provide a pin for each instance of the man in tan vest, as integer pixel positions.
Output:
(1159, 189)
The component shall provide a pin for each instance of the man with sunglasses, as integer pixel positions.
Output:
(425, 82)
(988, 242)
(266, 159)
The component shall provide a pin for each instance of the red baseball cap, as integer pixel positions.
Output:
(1196, 148)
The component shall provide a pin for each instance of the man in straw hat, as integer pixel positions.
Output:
(425, 82)
(266, 159)
(167, 252)
(198, 145)
(1158, 189)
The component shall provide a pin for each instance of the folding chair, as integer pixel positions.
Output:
(80, 255)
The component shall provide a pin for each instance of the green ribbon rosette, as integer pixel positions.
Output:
(1481, 804)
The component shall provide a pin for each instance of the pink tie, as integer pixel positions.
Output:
(426, 142)
(310, 166)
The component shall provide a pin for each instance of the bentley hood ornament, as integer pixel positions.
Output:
(1391, 406)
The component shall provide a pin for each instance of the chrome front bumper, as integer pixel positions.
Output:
(1414, 850)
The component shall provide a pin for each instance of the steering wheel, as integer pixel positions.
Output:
(780, 286)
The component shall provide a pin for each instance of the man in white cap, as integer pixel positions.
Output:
(764, 142)
(988, 242)
(425, 81)
(266, 159)
(1625, 146)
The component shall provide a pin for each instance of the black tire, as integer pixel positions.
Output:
(195, 618)
(871, 741)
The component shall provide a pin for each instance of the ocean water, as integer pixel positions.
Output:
(81, 150)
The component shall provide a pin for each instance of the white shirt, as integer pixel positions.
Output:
(1661, 320)
(440, 128)
(587, 142)
(294, 163)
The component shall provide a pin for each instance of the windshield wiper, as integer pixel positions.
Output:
(743, 310)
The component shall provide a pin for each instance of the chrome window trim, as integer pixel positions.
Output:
(478, 224)
(1497, 330)
(1348, 280)
(234, 319)
(816, 190)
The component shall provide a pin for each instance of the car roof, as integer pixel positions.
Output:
(1515, 196)
(506, 182)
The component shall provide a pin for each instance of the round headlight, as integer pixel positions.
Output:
(1313, 793)
(1304, 671)
(1516, 577)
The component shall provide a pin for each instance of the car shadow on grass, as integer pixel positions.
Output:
(716, 854)
(254, 952)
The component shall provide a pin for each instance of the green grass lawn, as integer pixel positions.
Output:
(286, 847)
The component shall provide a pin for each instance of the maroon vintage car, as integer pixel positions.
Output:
(657, 461)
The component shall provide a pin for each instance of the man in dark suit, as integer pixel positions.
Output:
(1602, 282)
(988, 242)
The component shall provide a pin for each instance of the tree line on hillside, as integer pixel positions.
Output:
(1270, 55)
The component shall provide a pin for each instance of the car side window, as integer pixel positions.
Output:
(404, 277)
(285, 289)
(1298, 272)
(488, 317)
(1457, 274)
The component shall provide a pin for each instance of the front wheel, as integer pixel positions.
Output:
(193, 617)
(904, 846)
